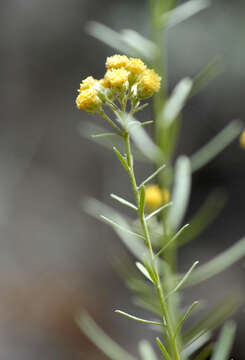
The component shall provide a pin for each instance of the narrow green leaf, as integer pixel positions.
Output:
(143, 142)
(144, 123)
(216, 145)
(185, 317)
(147, 305)
(184, 279)
(108, 346)
(205, 353)
(220, 263)
(95, 208)
(148, 322)
(181, 192)
(176, 102)
(206, 75)
(98, 136)
(142, 201)
(146, 351)
(172, 240)
(107, 35)
(156, 212)
(184, 12)
(152, 176)
(123, 201)
(205, 215)
(196, 343)
(163, 349)
(144, 271)
(140, 45)
(220, 312)
(224, 345)
(114, 224)
(121, 159)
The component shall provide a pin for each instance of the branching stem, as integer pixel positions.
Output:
(158, 285)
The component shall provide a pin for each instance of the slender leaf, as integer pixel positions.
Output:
(144, 303)
(149, 322)
(214, 318)
(184, 12)
(144, 271)
(184, 279)
(224, 345)
(108, 346)
(163, 349)
(172, 240)
(140, 45)
(206, 75)
(107, 36)
(123, 201)
(121, 159)
(95, 208)
(181, 192)
(142, 201)
(122, 228)
(220, 263)
(151, 177)
(205, 353)
(176, 102)
(196, 343)
(98, 136)
(205, 215)
(185, 317)
(146, 351)
(216, 145)
(160, 209)
(144, 143)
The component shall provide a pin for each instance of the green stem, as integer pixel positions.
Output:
(158, 285)
(106, 117)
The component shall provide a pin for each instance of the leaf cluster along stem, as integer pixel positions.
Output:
(157, 282)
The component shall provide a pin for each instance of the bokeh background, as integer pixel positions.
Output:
(54, 259)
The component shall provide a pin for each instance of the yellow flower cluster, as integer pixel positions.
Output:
(155, 197)
(122, 74)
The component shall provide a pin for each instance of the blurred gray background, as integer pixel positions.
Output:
(54, 259)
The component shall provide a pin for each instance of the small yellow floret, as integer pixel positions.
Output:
(87, 83)
(155, 197)
(88, 100)
(136, 66)
(116, 61)
(149, 84)
(117, 77)
(105, 83)
(242, 140)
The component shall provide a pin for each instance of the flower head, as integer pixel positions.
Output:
(135, 66)
(148, 84)
(87, 83)
(116, 61)
(242, 140)
(155, 197)
(117, 78)
(88, 100)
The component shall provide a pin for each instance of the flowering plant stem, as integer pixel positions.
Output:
(167, 322)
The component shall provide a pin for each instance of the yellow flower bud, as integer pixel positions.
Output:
(135, 66)
(116, 61)
(117, 77)
(155, 197)
(105, 83)
(88, 100)
(148, 84)
(242, 140)
(87, 83)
